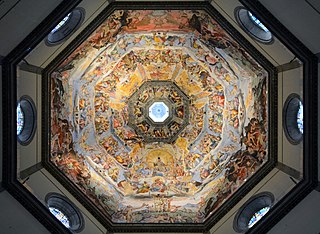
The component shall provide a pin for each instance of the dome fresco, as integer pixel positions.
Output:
(177, 170)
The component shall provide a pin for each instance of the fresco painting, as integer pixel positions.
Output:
(131, 179)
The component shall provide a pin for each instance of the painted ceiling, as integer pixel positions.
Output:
(159, 116)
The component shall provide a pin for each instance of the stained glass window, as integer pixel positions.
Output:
(20, 119)
(257, 216)
(300, 118)
(60, 216)
(61, 23)
(257, 22)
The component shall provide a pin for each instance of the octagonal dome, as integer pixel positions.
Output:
(120, 88)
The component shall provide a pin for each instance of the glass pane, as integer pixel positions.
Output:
(300, 118)
(257, 22)
(62, 22)
(257, 216)
(60, 216)
(20, 119)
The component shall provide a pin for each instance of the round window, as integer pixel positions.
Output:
(65, 211)
(61, 23)
(300, 118)
(252, 211)
(253, 26)
(26, 120)
(257, 216)
(64, 29)
(20, 119)
(60, 216)
(293, 118)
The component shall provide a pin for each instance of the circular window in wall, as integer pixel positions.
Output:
(300, 118)
(252, 211)
(257, 216)
(65, 211)
(61, 23)
(253, 26)
(293, 118)
(60, 216)
(64, 29)
(26, 120)
(20, 119)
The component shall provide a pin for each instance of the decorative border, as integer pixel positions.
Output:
(242, 191)
(310, 113)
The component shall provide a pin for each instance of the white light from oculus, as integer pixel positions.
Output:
(158, 112)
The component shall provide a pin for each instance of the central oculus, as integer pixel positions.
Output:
(158, 112)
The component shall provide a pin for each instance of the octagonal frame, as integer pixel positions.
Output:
(168, 120)
(9, 90)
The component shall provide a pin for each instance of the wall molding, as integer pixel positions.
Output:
(318, 187)
(289, 171)
(312, 6)
(25, 66)
(318, 56)
(7, 12)
(1, 59)
(289, 66)
(30, 170)
(1, 187)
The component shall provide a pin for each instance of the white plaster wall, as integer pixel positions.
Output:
(304, 218)
(41, 183)
(276, 53)
(21, 20)
(27, 84)
(16, 219)
(291, 83)
(42, 55)
(300, 18)
(275, 182)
